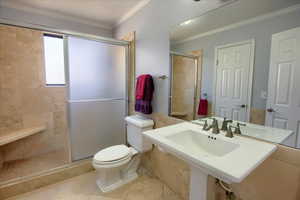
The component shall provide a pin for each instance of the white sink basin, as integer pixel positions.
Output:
(202, 144)
(229, 159)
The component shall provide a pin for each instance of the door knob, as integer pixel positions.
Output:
(243, 106)
(270, 110)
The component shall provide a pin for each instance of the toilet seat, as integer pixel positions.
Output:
(113, 155)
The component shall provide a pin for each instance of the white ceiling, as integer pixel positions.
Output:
(235, 12)
(102, 13)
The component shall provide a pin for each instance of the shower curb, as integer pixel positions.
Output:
(30, 183)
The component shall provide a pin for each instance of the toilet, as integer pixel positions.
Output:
(117, 165)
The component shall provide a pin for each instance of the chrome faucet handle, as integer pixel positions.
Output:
(240, 124)
(225, 124)
(238, 128)
(205, 125)
(215, 126)
(229, 132)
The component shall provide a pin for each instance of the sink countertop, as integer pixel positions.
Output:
(231, 167)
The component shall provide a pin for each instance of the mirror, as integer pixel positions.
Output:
(242, 62)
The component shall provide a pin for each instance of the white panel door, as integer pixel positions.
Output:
(233, 81)
(283, 106)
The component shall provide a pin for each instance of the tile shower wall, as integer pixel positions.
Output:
(25, 101)
(183, 91)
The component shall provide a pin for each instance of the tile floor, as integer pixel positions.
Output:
(83, 187)
(20, 168)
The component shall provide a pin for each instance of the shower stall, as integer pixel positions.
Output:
(48, 126)
(184, 85)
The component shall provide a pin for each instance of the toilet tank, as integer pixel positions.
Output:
(136, 125)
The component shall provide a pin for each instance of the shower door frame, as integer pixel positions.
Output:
(67, 67)
(66, 34)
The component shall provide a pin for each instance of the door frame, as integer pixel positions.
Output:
(250, 83)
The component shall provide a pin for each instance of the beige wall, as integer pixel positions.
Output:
(278, 178)
(24, 99)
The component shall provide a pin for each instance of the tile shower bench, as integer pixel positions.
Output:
(19, 134)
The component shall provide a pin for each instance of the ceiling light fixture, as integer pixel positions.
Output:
(186, 22)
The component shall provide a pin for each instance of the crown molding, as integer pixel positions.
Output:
(132, 11)
(242, 23)
(55, 15)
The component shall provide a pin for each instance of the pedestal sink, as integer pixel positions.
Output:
(228, 159)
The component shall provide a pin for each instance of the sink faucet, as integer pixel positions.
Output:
(204, 126)
(238, 128)
(229, 132)
(225, 124)
(215, 126)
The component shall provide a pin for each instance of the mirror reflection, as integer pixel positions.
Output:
(242, 67)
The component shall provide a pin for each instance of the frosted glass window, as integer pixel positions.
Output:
(54, 60)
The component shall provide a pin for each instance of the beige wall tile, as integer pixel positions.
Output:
(60, 122)
(257, 116)
(45, 179)
(170, 170)
(288, 155)
(1, 159)
(13, 151)
(10, 104)
(9, 80)
(24, 99)
(273, 179)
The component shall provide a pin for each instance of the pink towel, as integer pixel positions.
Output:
(144, 97)
(203, 107)
(140, 86)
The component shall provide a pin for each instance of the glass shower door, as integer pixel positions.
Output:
(97, 95)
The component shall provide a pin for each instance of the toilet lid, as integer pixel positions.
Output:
(112, 153)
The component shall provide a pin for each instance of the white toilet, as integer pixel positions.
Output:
(117, 165)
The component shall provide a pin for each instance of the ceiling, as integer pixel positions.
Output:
(235, 12)
(103, 13)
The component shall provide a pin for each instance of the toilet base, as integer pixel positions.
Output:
(111, 178)
(117, 184)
